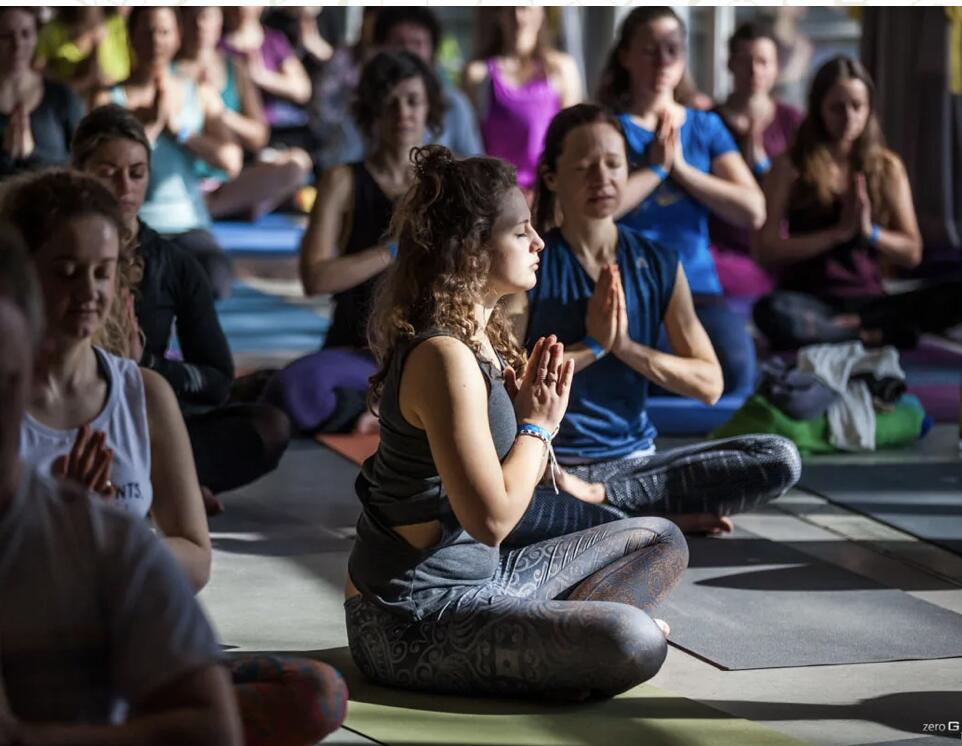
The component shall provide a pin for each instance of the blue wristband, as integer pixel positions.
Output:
(536, 431)
(184, 134)
(660, 172)
(527, 428)
(392, 249)
(873, 235)
(595, 346)
(762, 167)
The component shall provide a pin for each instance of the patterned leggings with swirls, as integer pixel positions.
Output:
(565, 617)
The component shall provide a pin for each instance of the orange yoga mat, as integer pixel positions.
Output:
(356, 448)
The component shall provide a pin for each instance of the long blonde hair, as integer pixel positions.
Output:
(442, 226)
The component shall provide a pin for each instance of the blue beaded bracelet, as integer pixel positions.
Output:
(536, 431)
(392, 249)
(595, 346)
(762, 166)
(873, 235)
(659, 171)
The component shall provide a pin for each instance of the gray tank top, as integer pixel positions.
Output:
(400, 485)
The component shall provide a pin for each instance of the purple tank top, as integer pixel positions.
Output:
(516, 121)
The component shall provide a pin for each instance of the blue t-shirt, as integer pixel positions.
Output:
(669, 216)
(606, 416)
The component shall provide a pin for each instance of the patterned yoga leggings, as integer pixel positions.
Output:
(723, 477)
(288, 701)
(565, 617)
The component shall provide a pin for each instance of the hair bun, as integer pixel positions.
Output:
(432, 160)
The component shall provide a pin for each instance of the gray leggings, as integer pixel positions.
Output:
(566, 617)
(723, 477)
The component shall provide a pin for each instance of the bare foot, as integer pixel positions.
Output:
(367, 424)
(663, 626)
(703, 523)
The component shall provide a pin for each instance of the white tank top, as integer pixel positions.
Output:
(123, 419)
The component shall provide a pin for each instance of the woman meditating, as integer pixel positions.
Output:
(688, 168)
(466, 429)
(345, 251)
(607, 291)
(116, 429)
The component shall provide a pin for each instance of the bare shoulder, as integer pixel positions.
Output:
(440, 356)
(891, 164)
(157, 392)
(475, 72)
(559, 61)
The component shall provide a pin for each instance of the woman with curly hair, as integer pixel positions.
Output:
(95, 417)
(345, 248)
(847, 204)
(466, 428)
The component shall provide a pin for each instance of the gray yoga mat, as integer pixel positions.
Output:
(746, 602)
(924, 500)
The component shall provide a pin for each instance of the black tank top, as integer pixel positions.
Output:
(400, 485)
(370, 221)
(847, 270)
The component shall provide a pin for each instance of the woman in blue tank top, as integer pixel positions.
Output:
(464, 441)
(688, 167)
(606, 291)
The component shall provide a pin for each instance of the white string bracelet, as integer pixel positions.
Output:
(536, 431)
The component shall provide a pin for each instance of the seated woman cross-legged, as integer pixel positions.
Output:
(115, 429)
(607, 291)
(466, 426)
(847, 202)
(688, 168)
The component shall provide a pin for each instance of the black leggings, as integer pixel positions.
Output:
(790, 320)
(568, 616)
(235, 444)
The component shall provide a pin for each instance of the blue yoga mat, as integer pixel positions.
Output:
(257, 322)
(269, 234)
(677, 415)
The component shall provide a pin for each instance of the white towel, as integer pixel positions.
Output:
(851, 418)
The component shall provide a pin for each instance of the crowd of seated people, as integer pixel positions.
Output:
(516, 274)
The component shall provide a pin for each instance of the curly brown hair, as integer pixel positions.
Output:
(442, 227)
(39, 203)
(810, 154)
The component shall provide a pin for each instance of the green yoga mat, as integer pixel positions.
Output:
(643, 715)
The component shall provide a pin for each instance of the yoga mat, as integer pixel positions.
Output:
(355, 448)
(643, 715)
(679, 415)
(746, 602)
(924, 500)
(254, 321)
(269, 234)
